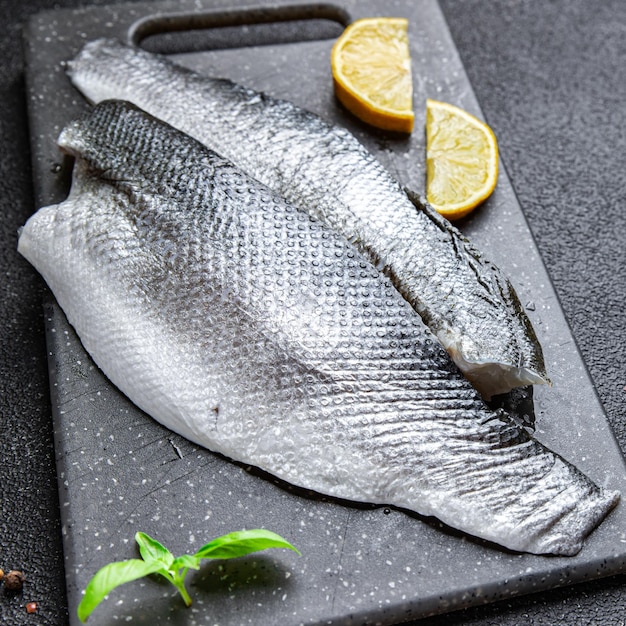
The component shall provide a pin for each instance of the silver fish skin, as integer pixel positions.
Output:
(258, 332)
(464, 298)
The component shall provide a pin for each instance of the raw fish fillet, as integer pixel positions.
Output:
(464, 299)
(257, 331)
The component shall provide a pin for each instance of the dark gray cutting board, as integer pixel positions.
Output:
(120, 472)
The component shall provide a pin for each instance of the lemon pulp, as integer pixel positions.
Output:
(461, 160)
(371, 67)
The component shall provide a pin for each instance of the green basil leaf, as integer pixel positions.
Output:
(189, 561)
(152, 550)
(242, 542)
(111, 576)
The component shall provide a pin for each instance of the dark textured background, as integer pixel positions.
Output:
(551, 79)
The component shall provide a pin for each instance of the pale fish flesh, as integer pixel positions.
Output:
(258, 332)
(463, 297)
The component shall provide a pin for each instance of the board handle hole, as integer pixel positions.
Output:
(177, 33)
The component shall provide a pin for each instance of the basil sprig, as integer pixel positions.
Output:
(157, 559)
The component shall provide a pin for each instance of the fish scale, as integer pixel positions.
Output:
(463, 297)
(192, 301)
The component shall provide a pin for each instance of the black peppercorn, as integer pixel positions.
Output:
(14, 580)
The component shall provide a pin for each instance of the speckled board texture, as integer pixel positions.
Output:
(548, 80)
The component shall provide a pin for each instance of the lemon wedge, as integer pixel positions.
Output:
(371, 68)
(461, 160)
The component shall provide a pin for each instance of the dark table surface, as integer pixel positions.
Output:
(551, 80)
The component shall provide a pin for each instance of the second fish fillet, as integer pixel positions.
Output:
(464, 298)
